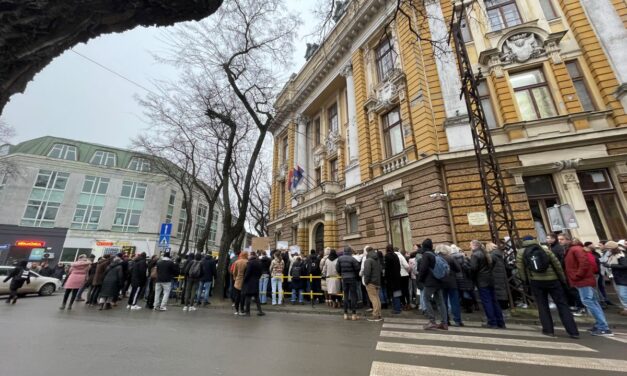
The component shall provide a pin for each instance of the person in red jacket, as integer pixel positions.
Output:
(580, 274)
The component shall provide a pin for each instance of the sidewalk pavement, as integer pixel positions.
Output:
(528, 316)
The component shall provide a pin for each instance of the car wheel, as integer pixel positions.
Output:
(47, 289)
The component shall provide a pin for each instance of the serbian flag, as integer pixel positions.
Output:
(290, 176)
(298, 176)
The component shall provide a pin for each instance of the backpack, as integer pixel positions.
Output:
(195, 271)
(536, 259)
(296, 271)
(441, 268)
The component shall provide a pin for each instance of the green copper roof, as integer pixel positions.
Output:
(43, 145)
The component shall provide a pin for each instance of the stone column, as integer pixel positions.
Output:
(571, 194)
(301, 151)
(352, 173)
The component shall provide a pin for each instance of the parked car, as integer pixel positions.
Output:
(43, 286)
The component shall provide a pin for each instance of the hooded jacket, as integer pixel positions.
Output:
(167, 270)
(208, 269)
(138, 271)
(553, 273)
(481, 269)
(579, 271)
(347, 267)
(427, 263)
(372, 269)
(101, 268)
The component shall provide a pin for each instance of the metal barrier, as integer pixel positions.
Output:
(310, 278)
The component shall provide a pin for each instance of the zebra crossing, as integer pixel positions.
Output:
(509, 351)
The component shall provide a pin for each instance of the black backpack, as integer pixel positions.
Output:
(195, 271)
(536, 259)
(296, 271)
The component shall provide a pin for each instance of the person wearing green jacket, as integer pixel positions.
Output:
(541, 270)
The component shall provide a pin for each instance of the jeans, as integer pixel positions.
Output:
(438, 296)
(300, 296)
(601, 288)
(541, 291)
(277, 290)
(204, 288)
(588, 298)
(373, 294)
(165, 288)
(621, 291)
(451, 296)
(491, 307)
(413, 286)
(349, 286)
(263, 288)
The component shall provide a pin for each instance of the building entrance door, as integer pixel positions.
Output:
(319, 238)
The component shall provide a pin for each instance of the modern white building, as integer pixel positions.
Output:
(98, 199)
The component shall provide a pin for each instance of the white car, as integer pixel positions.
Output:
(44, 286)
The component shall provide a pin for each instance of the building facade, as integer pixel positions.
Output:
(375, 125)
(98, 199)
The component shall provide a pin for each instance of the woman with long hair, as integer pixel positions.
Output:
(76, 279)
(481, 265)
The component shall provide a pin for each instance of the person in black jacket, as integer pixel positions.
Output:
(250, 288)
(451, 288)
(392, 269)
(206, 281)
(348, 268)
(433, 288)
(138, 280)
(312, 267)
(18, 276)
(111, 284)
(167, 270)
(481, 266)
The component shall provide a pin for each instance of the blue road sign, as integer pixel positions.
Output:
(164, 241)
(166, 229)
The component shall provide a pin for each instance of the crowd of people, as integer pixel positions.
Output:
(439, 281)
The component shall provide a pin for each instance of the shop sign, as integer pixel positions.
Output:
(104, 243)
(30, 243)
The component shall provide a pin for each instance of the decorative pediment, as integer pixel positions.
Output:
(387, 93)
(520, 46)
(332, 143)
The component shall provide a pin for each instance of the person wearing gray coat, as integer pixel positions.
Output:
(372, 280)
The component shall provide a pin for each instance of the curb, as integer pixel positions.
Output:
(413, 315)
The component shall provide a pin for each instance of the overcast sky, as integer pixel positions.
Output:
(75, 98)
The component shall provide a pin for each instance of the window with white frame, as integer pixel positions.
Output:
(63, 151)
(486, 103)
(201, 220)
(532, 94)
(182, 219)
(332, 119)
(130, 206)
(103, 158)
(580, 85)
(393, 132)
(171, 200)
(45, 199)
(139, 164)
(502, 13)
(352, 222)
(214, 226)
(548, 9)
(90, 203)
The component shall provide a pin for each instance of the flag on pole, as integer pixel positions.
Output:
(298, 176)
(289, 180)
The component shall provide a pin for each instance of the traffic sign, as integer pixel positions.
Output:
(166, 229)
(164, 241)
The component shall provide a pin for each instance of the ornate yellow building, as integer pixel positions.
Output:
(375, 121)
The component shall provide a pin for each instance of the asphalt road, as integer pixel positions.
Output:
(39, 339)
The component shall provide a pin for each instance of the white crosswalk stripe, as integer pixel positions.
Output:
(494, 332)
(392, 369)
(407, 336)
(598, 364)
(487, 340)
(397, 320)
